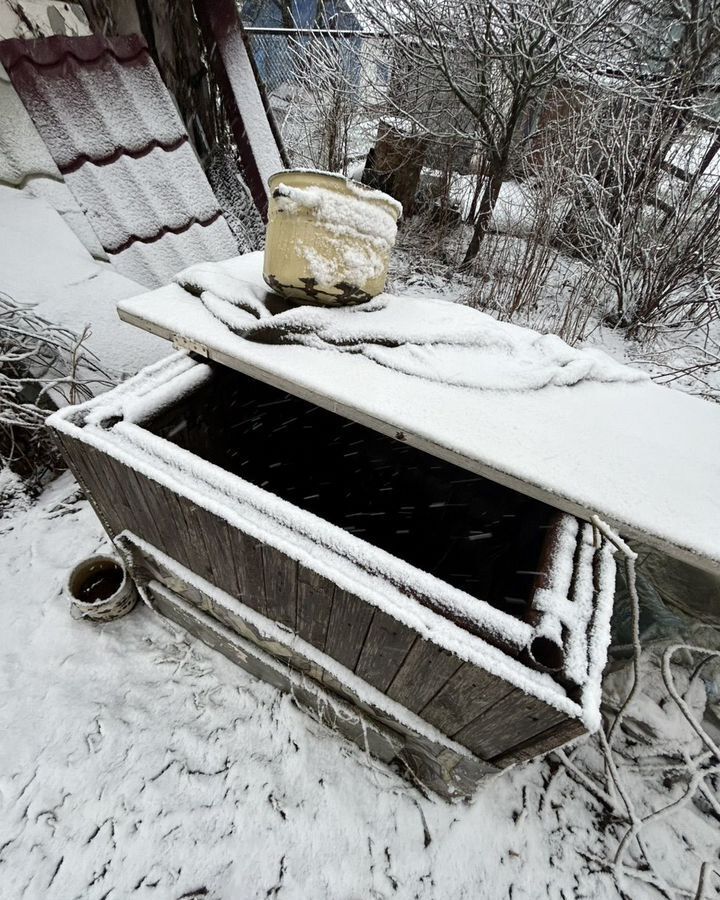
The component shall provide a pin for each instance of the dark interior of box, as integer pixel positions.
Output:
(473, 534)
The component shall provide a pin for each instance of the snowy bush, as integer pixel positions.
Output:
(41, 366)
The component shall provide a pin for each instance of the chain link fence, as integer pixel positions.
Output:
(327, 89)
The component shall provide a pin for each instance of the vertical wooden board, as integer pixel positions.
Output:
(424, 671)
(231, 559)
(517, 718)
(386, 646)
(463, 697)
(110, 515)
(314, 602)
(350, 619)
(248, 555)
(196, 548)
(280, 586)
(218, 546)
(542, 743)
(115, 480)
(159, 508)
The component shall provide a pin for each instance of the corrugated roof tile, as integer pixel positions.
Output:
(26, 164)
(92, 98)
(156, 263)
(111, 127)
(166, 195)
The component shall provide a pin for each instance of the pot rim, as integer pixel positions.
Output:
(99, 557)
(357, 188)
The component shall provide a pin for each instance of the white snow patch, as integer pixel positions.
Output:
(423, 337)
(369, 222)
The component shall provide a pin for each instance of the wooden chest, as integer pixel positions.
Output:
(451, 626)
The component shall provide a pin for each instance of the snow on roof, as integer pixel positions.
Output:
(25, 163)
(641, 456)
(166, 196)
(43, 263)
(68, 83)
(111, 128)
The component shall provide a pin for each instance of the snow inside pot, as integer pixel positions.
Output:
(100, 589)
(328, 238)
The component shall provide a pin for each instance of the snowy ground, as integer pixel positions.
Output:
(135, 762)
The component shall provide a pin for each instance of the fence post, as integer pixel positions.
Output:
(257, 141)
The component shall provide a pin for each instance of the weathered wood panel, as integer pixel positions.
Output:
(541, 744)
(386, 646)
(75, 453)
(281, 586)
(350, 619)
(516, 718)
(423, 672)
(487, 715)
(463, 697)
(314, 603)
(431, 763)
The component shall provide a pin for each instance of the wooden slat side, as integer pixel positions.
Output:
(424, 671)
(349, 622)
(110, 514)
(314, 602)
(464, 696)
(513, 721)
(430, 762)
(542, 743)
(223, 555)
(161, 513)
(281, 576)
(386, 646)
(194, 536)
(118, 482)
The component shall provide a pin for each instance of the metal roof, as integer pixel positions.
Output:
(112, 129)
(25, 164)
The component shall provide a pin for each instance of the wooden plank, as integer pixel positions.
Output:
(281, 576)
(74, 452)
(222, 554)
(350, 619)
(424, 671)
(463, 697)
(432, 763)
(511, 722)
(314, 602)
(160, 508)
(197, 538)
(120, 484)
(386, 646)
(541, 744)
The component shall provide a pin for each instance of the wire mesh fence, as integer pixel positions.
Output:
(327, 89)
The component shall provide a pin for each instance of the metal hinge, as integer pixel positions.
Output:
(180, 342)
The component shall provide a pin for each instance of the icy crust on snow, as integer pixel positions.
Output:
(358, 232)
(369, 695)
(422, 337)
(356, 566)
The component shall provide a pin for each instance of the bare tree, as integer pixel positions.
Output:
(478, 72)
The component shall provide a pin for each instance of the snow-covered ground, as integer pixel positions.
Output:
(135, 762)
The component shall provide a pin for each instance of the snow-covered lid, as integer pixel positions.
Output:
(578, 432)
